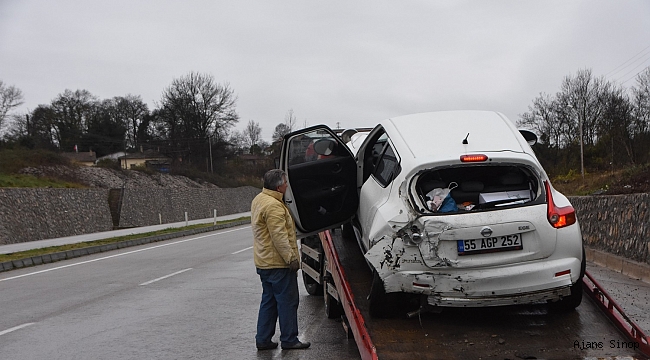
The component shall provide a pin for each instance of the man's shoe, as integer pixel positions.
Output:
(268, 346)
(297, 345)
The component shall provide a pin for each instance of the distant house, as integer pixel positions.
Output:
(113, 156)
(252, 160)
(148, 159)
(86, 158)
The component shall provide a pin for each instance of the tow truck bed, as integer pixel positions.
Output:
(516, 332)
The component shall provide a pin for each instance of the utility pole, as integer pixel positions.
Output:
(582, 156)
(210, 144)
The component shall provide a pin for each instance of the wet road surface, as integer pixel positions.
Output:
(197, 298)
(188, 298)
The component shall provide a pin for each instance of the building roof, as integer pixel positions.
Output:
(145, 155)
(83, 157)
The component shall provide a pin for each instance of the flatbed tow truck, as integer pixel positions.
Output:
(335, 268)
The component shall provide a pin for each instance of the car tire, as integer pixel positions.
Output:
(574, 300)
(569, 303)
(347, 231)
(379, 304)
(312, 287)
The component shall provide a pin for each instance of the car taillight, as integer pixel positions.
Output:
(558, 217)
(473, 158)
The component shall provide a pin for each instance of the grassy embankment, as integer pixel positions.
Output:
(13, 161)
(633, 179)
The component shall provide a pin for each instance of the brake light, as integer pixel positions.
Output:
(473, 158)
(558, 217)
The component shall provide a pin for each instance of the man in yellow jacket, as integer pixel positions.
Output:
(276, 255)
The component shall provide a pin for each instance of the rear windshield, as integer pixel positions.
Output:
(475, 188)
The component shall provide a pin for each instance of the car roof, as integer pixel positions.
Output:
(441, 134)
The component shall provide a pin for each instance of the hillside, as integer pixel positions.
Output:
(623, 181)
(99, 177)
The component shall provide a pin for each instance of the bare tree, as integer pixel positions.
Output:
(133, 111)
(192, 108)
(39, 127)
(252, 133)
(105, 128)
(542, 118)
(290, 120)
(71, 112)
(280, 130)
(237, 141)
(582, 94)
(10, 98)
(641, 93)
(617, 123)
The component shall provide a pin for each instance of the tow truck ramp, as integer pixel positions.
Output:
(598, 329)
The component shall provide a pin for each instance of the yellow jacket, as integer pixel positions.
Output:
(274, 232)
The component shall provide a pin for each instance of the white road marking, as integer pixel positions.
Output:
(15, 328)
(164, 277)
(116, 255)
(242, 250)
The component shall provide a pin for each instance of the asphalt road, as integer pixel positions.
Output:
(188, 298)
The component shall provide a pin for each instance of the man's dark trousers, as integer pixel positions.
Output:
(279, 299)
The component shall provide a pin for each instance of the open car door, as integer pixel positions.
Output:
(322, 175)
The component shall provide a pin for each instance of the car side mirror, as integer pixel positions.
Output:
(324, 147)
(530, 137)
(346, 135)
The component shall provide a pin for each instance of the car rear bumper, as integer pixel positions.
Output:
(518, 299)
(525, 283)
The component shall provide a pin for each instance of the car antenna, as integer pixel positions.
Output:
(465, 139)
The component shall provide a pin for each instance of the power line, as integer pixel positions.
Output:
(633, 58)
(635, 75)
(635, 68)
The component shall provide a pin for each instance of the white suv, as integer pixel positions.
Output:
(452, 207)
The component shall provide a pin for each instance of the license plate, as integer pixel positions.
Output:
(491, 244)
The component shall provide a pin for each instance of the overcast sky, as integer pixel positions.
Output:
(338, 61)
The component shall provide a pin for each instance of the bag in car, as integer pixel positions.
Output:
(440, 199)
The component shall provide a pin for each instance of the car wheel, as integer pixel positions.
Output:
(312, 287)
(378, 301)
(572, 301)
(347, 231)
(569, 303)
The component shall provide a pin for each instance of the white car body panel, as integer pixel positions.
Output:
(391, 215)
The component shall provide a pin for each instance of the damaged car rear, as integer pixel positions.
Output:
(451, 209)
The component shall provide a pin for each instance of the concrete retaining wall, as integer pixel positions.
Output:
(141, 207)
(36, 214)
(616, 224)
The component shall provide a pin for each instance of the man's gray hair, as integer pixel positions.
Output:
(273, 179)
